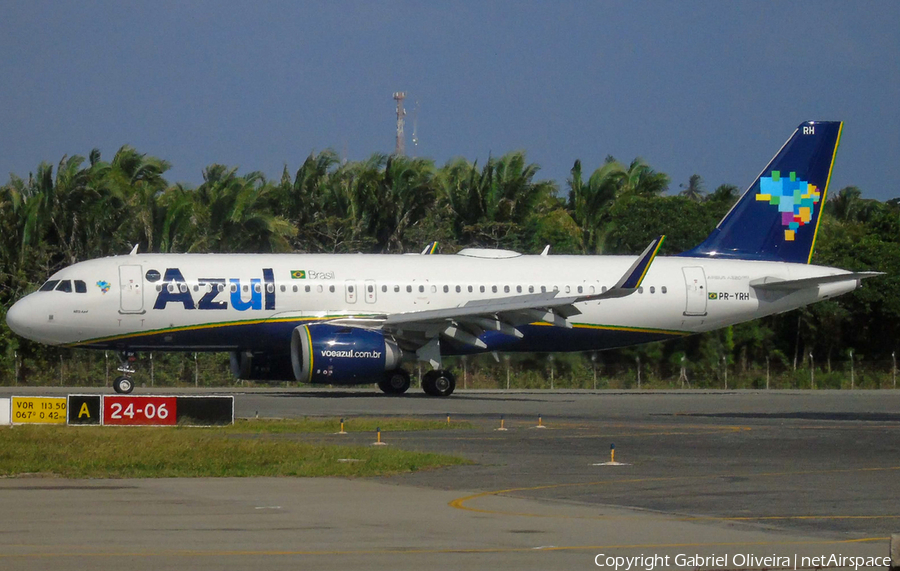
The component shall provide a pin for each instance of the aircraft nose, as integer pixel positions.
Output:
(18, 319)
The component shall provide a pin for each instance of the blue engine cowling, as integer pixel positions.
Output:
(325, 353)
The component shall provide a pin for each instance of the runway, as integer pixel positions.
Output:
(764, 473)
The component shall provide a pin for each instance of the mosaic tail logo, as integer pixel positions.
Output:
(796, 200)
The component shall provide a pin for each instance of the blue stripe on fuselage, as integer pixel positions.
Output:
(275, 335)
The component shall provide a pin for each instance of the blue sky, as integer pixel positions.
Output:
(712, 88)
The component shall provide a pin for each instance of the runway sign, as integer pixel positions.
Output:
(133, 410)
(39, 410)
(84, 409)
(4, 411)
(140, 410)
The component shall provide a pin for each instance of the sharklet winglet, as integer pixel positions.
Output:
(638, 270)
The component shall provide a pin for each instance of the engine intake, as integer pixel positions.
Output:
(325, 353)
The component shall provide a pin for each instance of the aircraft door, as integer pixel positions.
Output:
(350, 291)
(371, 291)
(695, 285)
(131, 294)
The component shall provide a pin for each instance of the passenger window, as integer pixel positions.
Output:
(271, 288)
(384, 289)
(371, 288)
(421, 289)
(568, 289)
(221, 287)
(282, 289)
(49, 285)
(580, 289)
(458, 289)
(494, 289)
(603, 289)
(80, 287)
(331, 288)
(663, 289)
(433, 289)
(308, 289)
(446, 289)
(518, 289)
(555, 288)
(196, 287)
(543, 289)
(158, 287)
(350, 289)
(396, 289)
(295, 289)
(409, 289)
(641, 289)
(470, 289)
(530, 289)
(482, 289)
(652, 289)
(593, 290)
(505, 289)
(183, 288)
(319, 289)
(65, 285)
(246, 289)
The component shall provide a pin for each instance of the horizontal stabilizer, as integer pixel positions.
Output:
(776, 284)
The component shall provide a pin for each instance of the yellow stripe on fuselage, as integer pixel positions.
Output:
(205, 326)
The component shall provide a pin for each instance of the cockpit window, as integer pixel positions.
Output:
(80, 287)
(65, 285)
(49, 285)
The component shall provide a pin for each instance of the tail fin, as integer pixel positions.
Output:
(777, 218)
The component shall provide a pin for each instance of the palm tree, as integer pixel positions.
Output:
(694, 189)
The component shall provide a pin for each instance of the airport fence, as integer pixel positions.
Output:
(600, 371)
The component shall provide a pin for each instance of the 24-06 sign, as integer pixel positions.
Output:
(139, 410)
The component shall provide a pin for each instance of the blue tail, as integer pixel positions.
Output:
(777, 218)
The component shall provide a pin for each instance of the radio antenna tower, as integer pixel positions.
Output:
(399, 96)
(415, 137)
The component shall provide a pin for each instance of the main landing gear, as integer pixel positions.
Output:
(438, 383)
(395, 382)
(124, 384)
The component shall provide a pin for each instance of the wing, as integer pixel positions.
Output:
(422, 330)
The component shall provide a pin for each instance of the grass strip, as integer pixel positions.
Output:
(130, 452)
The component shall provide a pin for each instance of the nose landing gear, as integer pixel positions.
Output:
(124, 384)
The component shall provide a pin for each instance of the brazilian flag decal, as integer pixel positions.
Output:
(298, 274)
(713, 295)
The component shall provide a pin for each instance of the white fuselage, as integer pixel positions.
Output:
(129, 300)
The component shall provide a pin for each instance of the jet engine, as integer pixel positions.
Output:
(325, 353)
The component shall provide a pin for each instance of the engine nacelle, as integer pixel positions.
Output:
(261, 366)
(333, 354)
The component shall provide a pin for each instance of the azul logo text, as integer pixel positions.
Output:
(218, 292)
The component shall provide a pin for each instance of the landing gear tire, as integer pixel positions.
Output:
(123, 385)
(439, 383)
(395, 382)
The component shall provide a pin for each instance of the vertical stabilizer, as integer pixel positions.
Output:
(777, 218)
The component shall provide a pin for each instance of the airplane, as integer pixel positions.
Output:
(345, 319)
